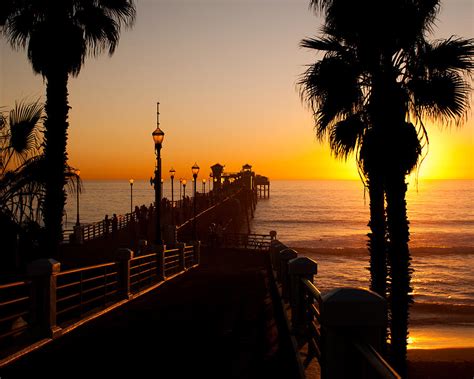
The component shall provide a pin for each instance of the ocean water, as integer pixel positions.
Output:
(327, 221)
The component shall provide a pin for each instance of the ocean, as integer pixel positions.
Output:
(327, 221)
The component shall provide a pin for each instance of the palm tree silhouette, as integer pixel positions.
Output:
(20, 149)
(376, 75)
(22, 177)
(58, 36)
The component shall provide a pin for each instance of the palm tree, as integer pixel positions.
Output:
(58, 36)
(375, 76)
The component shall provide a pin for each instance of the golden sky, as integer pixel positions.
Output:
(225, 74)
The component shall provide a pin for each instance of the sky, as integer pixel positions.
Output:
(225, 74)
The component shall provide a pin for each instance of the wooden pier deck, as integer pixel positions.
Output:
(217, 320)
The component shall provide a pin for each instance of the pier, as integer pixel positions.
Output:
(227, 304)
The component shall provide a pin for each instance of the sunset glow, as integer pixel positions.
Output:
(225, 75)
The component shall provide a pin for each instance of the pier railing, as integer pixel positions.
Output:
(248, 241)
(180, 211)
(343, 329)
(51, 301)
(15, 300)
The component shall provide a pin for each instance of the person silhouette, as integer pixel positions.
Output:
(114, 224)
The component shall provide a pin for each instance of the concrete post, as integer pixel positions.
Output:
(181, 261)
(78, 236)
(160, 261)
(273, 246)
(43, 273)
(299, 268)
(285, 256)
(350, 314)
(197, 252)
(123, 257)
(275, 253)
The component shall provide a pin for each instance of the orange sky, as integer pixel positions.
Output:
(225, 74)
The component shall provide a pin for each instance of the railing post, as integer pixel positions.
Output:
(285, 256)
(123, 257)
(44, 274)
(181, 261)
(197, 252)
(299, 268)
(160, 261)
(348, 315)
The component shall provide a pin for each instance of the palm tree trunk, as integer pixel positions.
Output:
(400, 271)
(376, 243)
(56, 125)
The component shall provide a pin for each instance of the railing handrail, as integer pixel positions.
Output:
(376, 361)
(15, 284)
(87, 268)
(313, 290)
(187, 222)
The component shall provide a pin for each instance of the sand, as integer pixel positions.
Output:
(455, 363)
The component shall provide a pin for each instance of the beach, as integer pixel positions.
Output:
(441, 363)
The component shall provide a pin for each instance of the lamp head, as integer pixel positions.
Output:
(195, 169)
(158, 136)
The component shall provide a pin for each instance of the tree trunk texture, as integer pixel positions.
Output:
(400, 271)
(56, 126)
(376, 243)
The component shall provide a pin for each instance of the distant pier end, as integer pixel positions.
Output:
(262, 184)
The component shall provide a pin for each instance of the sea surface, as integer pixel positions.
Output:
(327, 221)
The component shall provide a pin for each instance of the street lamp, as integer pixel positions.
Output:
(204, 186)
(172, 172)
(195, 171)
(78, 172)
(131, 195)
(184, 188)
(158, 136)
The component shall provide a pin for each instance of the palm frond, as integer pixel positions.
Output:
(453, 54)
(100, 31)
(346, 136)
(330, 88)
(328, 44)
(444, 97)
(320, 6)
(123, 11)
(24, 121)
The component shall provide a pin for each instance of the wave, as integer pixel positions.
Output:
(440, 313)
(327, 221)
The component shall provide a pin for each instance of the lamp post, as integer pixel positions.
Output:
(195, 171)
(204, 186)
(172, 172)
(78, 172)
(158, 136)
(131, 195)
(184, 188)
